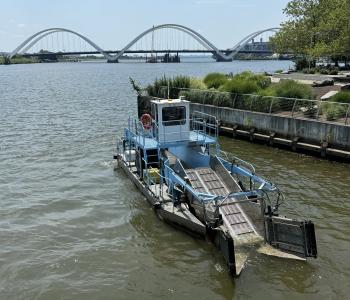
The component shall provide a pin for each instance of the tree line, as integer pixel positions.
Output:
(315, 29)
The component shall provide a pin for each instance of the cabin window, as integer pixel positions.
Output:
(174, 115)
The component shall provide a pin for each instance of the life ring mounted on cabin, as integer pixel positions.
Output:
(146, 121)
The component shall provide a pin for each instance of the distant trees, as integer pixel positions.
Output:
(5, 60)
(315, 29)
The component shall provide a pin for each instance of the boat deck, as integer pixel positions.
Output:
(178, 215)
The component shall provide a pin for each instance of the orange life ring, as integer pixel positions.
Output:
(146, 121)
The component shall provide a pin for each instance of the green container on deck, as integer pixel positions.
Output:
(153, 175)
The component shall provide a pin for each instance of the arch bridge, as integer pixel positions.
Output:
(114, 56)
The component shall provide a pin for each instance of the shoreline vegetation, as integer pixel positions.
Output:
(250, 91)
(19, 59)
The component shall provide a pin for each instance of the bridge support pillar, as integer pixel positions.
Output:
(221, 59)
(112, 61)
(7, 60)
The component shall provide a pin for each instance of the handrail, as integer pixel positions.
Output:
(232, 159)
(235, 195)
(135, 128)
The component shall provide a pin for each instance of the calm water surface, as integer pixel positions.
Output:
(73, 228)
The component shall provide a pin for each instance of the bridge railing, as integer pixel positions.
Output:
(325, 111)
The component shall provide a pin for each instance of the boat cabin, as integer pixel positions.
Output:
(171, 120)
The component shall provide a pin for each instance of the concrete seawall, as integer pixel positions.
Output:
(325, 138)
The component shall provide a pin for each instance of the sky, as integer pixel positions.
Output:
(112, 24)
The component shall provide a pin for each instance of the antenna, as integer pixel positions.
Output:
(168, 89)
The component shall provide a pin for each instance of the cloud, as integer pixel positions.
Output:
(21, 25)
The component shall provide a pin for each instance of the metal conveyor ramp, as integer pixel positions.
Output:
(205, 180)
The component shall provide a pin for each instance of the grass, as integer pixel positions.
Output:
(342, 97)
(333, 111)
(215, 80)
(290, 89)
(246, 83)
(196, 83)
(207, 97)
(19, 60)
(239, 86)
(160, 86)
(248, 91)
(243, 83)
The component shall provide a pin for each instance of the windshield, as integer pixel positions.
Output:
(174, 115)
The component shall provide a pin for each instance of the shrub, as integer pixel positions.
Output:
(240, 86)
(215, 80)
(269, 92)
(333, 111)
(208, 97)
(160, 86)
(196, 83)
(261, 80)
(180, 82)
(293, 89)
(327, 70)
(309, 71)
(341, 97)
(246, 83)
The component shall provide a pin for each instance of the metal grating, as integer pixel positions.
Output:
(205, 180)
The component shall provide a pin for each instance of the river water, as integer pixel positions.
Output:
(71, 227)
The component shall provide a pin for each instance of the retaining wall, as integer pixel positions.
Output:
(307, 130)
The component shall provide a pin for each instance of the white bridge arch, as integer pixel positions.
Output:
(32, 40)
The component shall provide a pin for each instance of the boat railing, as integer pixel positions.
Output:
(205, 124)
(201, 127)
(136, 131)
(236, 161)
(241, 197)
